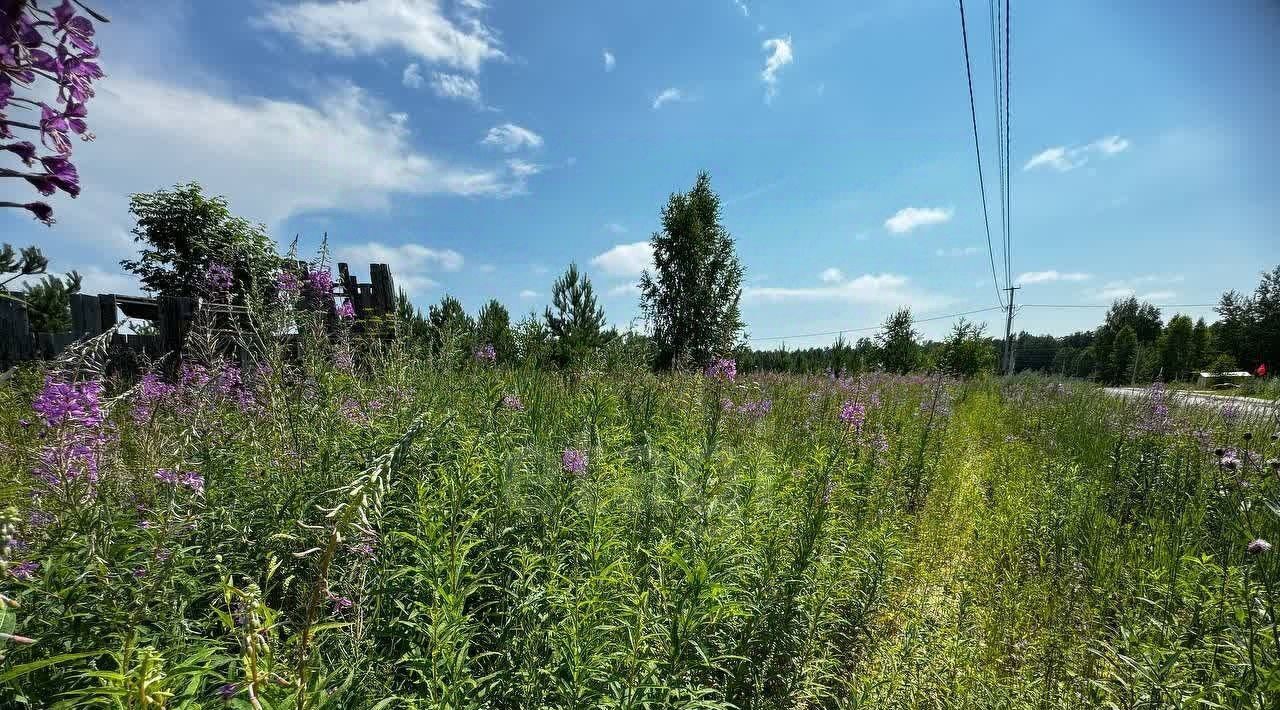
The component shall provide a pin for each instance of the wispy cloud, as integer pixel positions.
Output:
(528, 294)
(831, 275)
(1040, 277)
(615, 228)
(779, 49)
(609, 61)
(667, 96)
(1138, 287)
(1064, 158)
(877, 289)
(909, 218)
(412, 76)
(625, 260)
(363, 27)
(957, 251)
(510, 138)
(455, 86)
(523, 168)
(742, 6)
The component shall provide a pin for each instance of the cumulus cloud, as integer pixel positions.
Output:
(1138, 287)
(362, 27)
(779, 49)
(667, 96)
(625, 260)
(831, 275)
(1040, 277)
(523, 168)
(411, 263)
(909, 218)
(1064, 158)
(510, 138)
(609, 61)
(455, 86)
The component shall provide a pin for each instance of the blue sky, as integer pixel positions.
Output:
(481, 146)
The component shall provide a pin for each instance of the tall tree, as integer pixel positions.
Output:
(49, 303)
(966, 351)
(574, 319)
(1201, 344)
(899, 351)
(1176, 347)
(412, 323)
(1124, 352)
(493, 327)
(184, 234)
(1142, 318)
(691, 297)
(450, 326)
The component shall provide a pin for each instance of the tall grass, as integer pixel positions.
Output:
(404, 534)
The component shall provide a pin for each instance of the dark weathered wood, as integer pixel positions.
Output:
(107, 304)
(86, 315)
(384, 290)
(140, 307)
(175, 320)
(16, 342)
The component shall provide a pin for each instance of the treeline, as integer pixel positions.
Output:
(1132, 344)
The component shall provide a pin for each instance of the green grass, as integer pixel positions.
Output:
(1016, 544)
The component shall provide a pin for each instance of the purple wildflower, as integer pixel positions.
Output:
(42, 211)
(186, 479)
(573, 461)
(1231, 414)
(486, 354)
(218, 279)
(513, 403)
(227, 691)
(288, 285)
(723, 369)
(880, 443)
(320, 281)
(1258, 547)
(340, 603)
(853, 414)
(25, 571)
(61, 402)
(346, 311)
(1229, 460)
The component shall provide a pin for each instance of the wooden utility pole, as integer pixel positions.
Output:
(1008, 333)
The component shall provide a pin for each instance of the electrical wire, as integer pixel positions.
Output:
(973, 114)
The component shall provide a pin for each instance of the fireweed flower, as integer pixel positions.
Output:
(76, 403)
(880, 443)
(287, 285)
(1258, 547)
(218, 279)
(1155, 419)
(723, 369)
(1231, 414)
(854, 414)
(1229, 460)
(486, 354)
(573, 461)
(25, 571)
(347, 311)
(185, 479)
(227, 691)
(513, 403)
(73, 417)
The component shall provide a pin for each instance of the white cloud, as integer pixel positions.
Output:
(455, 86)
(629, 288)
(908, 218)
(1039, 277)
(831, 275)
(609, 61)
(410, 263)
(510, 138)
(1064, 158)
(742, 5)
(528, 294)
(873, 289)
(523, 168)
(627, 260)
(667, 96)
(1158, 296)
(280, 160)
(957, 251)
(779, 49)
(1124, 288)
(362, 27)
(412, 76)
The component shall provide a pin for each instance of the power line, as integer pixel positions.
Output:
(1008, 180)
(973, 114)
(1091, 305)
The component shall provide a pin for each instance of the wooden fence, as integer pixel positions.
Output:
(171, 316)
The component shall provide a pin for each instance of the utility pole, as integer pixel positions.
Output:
(1008, 333)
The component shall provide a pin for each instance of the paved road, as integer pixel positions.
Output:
(1247, 405)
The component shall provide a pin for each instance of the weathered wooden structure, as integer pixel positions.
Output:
(172, 317)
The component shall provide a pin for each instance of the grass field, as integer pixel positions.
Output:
(308, 536)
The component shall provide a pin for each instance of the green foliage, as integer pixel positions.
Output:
(493, 327)
(1249, 326)
(1124, 354)
(1177, 348)
(574, 321)
(1201, 344)
(967, 352)
(414, 328)
(899, 352)
(182, 232)
(532, 340)
(691, 298)
(452, 332)
(27, 261)
(49, 303)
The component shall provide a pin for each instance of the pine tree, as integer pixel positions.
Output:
(48, 303)
(576, 322)
(450, 326)
(899, 351)
(493, 327)
(691, 297)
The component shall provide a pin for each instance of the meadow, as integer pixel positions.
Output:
(393, 530)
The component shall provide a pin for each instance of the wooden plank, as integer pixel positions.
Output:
(16, 341)
(384, 290)
(107, 305)
(175, 320)
(86, 315)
